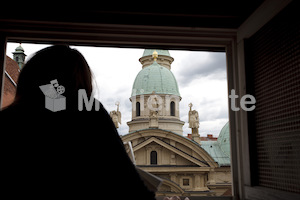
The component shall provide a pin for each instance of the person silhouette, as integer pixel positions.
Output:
(60, 63)
(64, 154)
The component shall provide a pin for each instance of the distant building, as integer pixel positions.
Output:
(189, 166)
(12, 71)
(19, 56)
(209, 137)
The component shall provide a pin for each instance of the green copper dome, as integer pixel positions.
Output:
(224, 139)
(149, 52)
(155, 78)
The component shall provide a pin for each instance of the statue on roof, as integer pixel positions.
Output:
(116, 116)
(193, 117)
(194, 124)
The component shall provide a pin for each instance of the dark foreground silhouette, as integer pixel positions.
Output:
(64, 154)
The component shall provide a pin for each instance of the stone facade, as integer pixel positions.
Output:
(185, 167)
(157, 144)
(141, 115)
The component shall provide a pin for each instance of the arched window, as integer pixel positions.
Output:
(153, 158)
(172, 108)
(138, 109)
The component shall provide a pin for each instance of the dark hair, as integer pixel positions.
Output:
(59, 62)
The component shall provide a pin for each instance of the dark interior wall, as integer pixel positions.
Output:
(209, 14)
(273, 76)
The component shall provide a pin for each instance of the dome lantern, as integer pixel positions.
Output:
(163, 58)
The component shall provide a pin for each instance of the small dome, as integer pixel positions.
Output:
(149, 52)
(224, 139)
(155, 78)
(19, 48)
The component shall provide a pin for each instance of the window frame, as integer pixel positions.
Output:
(230, 41)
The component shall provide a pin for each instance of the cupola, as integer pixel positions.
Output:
(19, 56)
(155, 94)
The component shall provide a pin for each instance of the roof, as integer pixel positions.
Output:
(213, 148)
(192, 144)
(155, 78)
(219, 150)
(19, 49)
(215, 151)
(12, 68)
(11, 78)
(149, 52)
(224, 139)
(186, 138)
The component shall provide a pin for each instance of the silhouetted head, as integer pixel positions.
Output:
(62, 63)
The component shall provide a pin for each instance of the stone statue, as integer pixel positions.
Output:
(116, 116)
(193, 117)
(154, 106)
(194, 124)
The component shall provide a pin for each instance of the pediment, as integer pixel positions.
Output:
(141, 138)
(178, 152)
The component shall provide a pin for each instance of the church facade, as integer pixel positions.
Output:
(187, 166)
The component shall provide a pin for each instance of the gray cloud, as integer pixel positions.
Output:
(193, 68)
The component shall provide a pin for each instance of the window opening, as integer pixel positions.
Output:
(138, 109)
(201, 87)
(172, 108)
(186, 182)
(153, 158)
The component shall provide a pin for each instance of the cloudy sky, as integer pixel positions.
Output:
(201, 78)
